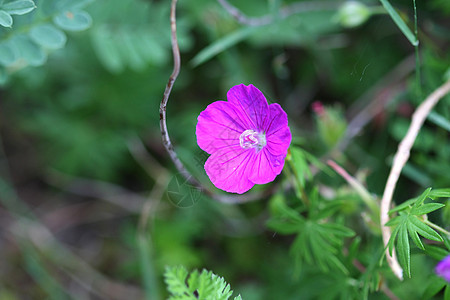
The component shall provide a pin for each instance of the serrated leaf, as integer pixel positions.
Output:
(48, 36)
(5, 19)
(425, 230)
(175, 279)
(403, 250)
(19, 7)
(185, 286)
(426, 208)
(8, 54)
(73, 20)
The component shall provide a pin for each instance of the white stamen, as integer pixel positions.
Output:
(252, 139)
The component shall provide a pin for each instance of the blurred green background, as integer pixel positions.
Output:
(91, 205)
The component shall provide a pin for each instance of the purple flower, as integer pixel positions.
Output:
(443, 268)
(247, 139)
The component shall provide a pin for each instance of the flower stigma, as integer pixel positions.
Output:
(252, 139)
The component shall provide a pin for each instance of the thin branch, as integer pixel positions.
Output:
(283, 13)
(162, 109)
(165, 133)
(357, 186)
(400, 159)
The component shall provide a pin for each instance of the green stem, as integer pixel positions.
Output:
(400, 23)
(299, 191)
(416, 52)
(438, 228)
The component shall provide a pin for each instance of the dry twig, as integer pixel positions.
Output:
(400, 159)
(283, 13)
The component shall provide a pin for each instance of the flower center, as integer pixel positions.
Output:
(252, 139)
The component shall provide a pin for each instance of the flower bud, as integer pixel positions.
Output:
(353, 14)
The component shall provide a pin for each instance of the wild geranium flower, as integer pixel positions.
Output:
(247, 139)
(443, 268)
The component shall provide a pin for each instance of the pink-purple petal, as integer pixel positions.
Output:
(278, 119)
(231, 167)
(228, 169)
(266, 167)
(251, 102)
(218, 126)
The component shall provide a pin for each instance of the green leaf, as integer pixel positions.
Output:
(400, 23)
(392, 222)
(5, 19)
(414, 236)
(434, 287)
(436, 252)
(28, 50)
(422, 198)
(205, 285)
(447, 292)
(300, 164)
(48, 36)
(64, 5)
(175, 279)
(222, 44)
(105, 47)
(426, 208)
(19, 7)
(439, 120)
(403, 250)
(403, 206)
(391, 241)
(439, 193)
(8, 54)
(425, 230)
(73, 20)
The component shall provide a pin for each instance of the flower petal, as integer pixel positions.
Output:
(278, 134)
(218, 126)
(266, 167)
(252, 103)
(228, 169)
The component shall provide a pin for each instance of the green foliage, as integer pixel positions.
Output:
(38, 31)
(317, 241)
(409, 223)
(121, 42)
(331, 125)
(195, 285)
(17, 7)
(84, 80)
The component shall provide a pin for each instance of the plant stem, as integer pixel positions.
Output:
(437, 227)
(416, 52)
(400, 159)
